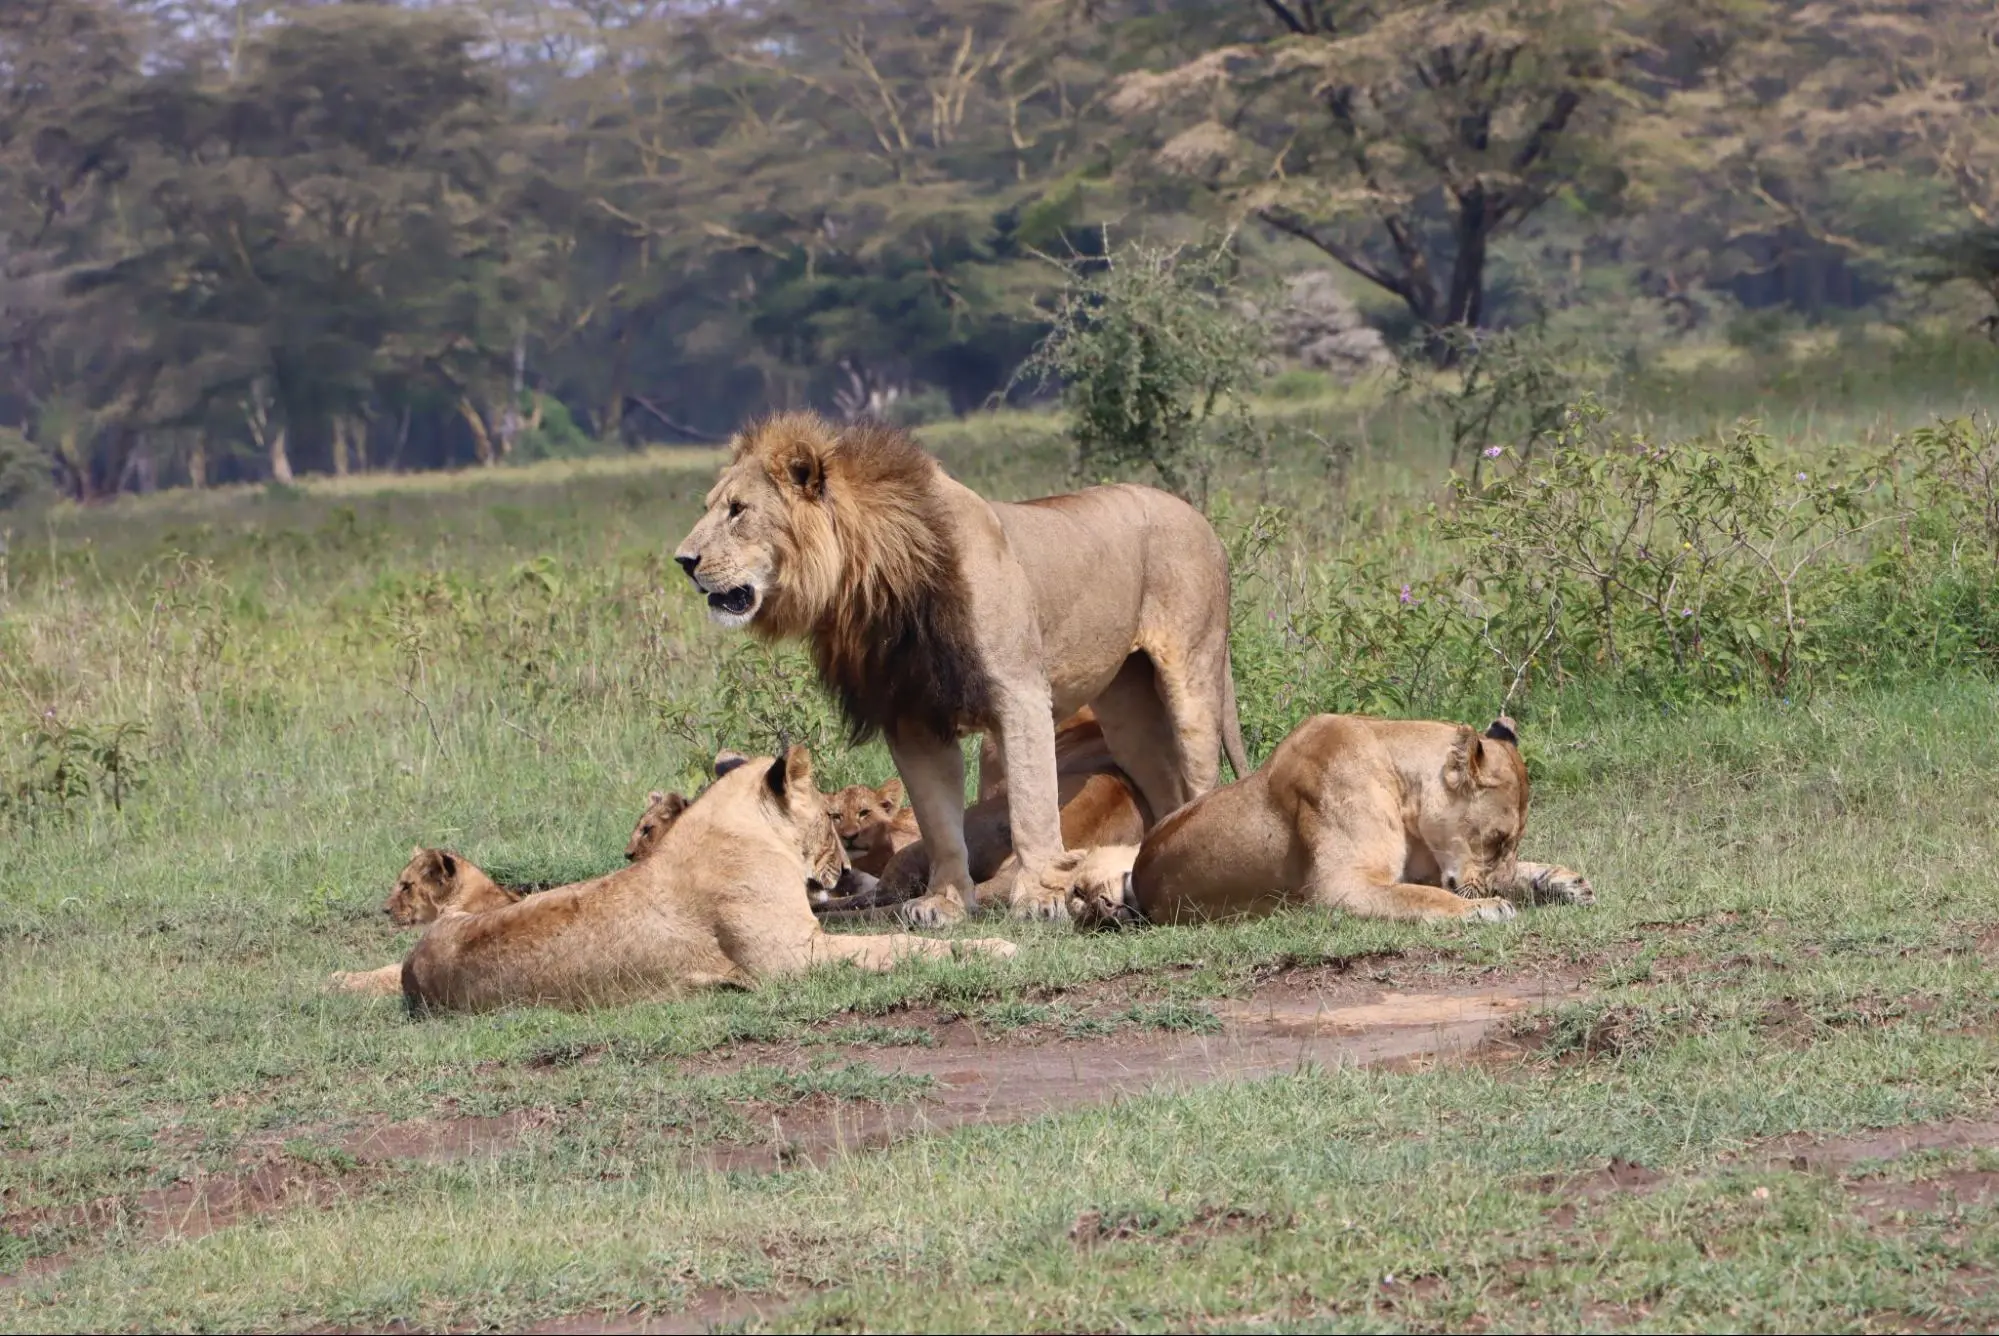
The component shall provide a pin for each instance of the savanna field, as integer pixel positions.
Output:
(1754, 1087)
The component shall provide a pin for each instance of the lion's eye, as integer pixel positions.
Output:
(735, 509)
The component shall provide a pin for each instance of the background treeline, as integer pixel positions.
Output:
(244, 240)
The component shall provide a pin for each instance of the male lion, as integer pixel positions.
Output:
(1383, 818)
(435, 882)
(718, 902)
(934, 613)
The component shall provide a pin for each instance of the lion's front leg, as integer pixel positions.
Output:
(933, 770)
(1548, 884)
(1034, 804)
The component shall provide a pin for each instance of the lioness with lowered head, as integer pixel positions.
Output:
(718, 902)
(933, 614)
(1383, 818)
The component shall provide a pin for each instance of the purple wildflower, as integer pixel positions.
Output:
(1804, 477)
(1407, 597)
(1494, 451)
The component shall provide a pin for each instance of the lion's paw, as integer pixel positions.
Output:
(939, 909)
(1031, 900)
(1491, 909)
(998, 947)
(1095, 912)
(1560, 886)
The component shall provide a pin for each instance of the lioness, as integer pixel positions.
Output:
(934, 613)
(872, 823)
(1384, 818)
(718, 902)
(434, 883)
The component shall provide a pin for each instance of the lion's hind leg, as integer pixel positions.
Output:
(882, 951)
(1384, 898)
(384, 982)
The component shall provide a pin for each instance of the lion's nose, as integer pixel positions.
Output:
(687, 563)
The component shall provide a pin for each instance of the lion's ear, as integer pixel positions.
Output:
(891, 793)
(655, 798)
(797, 768)
(416, 852)
(807, 474)
(447, 864)
(1503, 729)
(674, 805)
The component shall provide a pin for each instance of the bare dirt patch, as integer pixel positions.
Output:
(704, 1312)
(1287, 1026)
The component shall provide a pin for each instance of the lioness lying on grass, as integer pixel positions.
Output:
(1383, 818)
(717, 902)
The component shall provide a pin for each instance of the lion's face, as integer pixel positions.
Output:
(735, 552)
(861, 815)
(1473, 829)
(662, 810)
(425, 888)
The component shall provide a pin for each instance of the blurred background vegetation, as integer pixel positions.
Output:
(243, 240)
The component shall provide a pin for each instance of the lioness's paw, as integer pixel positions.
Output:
(939, 909)
(1560, 886)
(1491, 909)
(985, 946)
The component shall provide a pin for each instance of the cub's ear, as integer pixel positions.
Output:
(447, 864)
(655, 798)
(725, 761)
(416, 852)
(891, 793)
(675, 804)
(1503, 729)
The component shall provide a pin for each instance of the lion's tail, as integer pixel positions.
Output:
(1232, 725)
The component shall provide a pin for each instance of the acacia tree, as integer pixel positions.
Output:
(1401, 139)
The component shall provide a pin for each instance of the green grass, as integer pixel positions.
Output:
(1795, 936)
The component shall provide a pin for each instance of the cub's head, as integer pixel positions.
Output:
(861, 815)
(1479, 811)
(437, 880)
(795, 806)
(662, 810)
(766, 552)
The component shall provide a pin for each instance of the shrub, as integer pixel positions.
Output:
(1154, 358)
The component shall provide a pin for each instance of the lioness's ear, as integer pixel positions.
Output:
(725, 761)
(797, 767)
(891, 793)
(1458, 765)
(1503, 729)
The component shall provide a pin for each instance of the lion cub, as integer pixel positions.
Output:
(717, 903)
(1383, 818)
(435, 882)
(662, 810)
(873, 824)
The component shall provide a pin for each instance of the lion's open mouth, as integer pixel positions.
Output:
(734, 602)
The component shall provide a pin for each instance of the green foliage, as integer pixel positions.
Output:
(1153, 360)
(1511, 385)
(24, 470)
(549, 432)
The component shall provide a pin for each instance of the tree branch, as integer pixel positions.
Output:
(1292, 225)
(1286, 17)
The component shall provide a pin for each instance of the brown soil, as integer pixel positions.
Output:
(1288, 1026)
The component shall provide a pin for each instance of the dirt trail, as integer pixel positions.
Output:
(1284, 1028)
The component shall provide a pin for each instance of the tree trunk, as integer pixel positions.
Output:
(338, 426)
(281, 461)
(482, 440)
(197, 462)
(612, 428)
(402, 440)
(510, 417)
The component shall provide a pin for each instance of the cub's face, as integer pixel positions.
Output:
(1480, 811)
(424, 888)
(861, 815)
(735, 551)
(662, 810)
